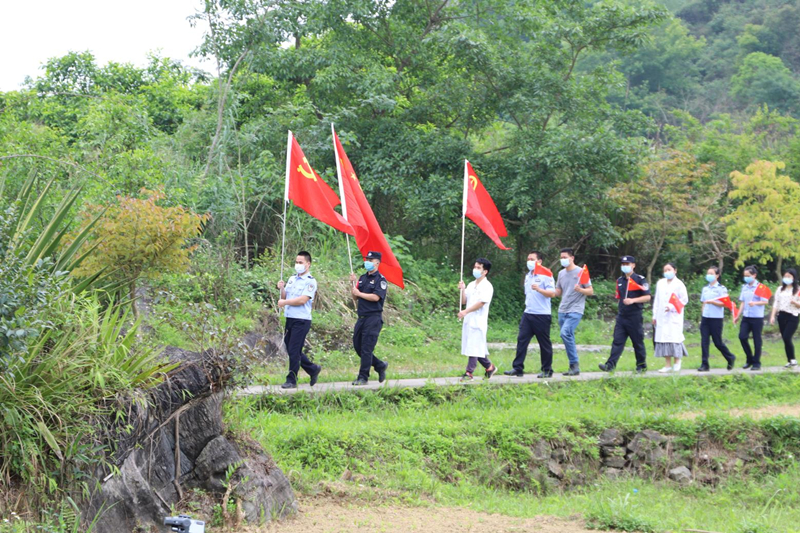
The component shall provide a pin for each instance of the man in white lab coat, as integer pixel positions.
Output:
(476, 297)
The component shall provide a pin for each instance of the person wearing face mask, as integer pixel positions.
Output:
(370, 294)
(668, 319)
(787, 309)
(573, 303)
(536, 320)
(296, 298)
(632, 292)
(713, 319)
(751, 310)
(476, 298)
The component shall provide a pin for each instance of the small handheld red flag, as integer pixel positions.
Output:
(676, 302)
(728, 303)
(633, 286)
(763, 291)
(539, 270)
(479, 208)
(584, 278)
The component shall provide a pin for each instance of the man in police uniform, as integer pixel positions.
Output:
(629, 317)
(370, 294)
(296, 298)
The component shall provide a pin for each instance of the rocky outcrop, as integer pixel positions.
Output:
(172, 441)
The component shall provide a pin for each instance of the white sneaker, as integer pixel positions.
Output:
(665, 369)
(676, 367)
(791, 363)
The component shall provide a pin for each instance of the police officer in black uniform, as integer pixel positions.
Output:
(370, 293)
(629, 317)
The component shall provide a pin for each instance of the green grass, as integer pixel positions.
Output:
(470, 446)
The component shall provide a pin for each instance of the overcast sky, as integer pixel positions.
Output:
(123, 31)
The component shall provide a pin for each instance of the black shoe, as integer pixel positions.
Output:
(289, 385)
(574, 370)
(641, 370)
(382, 373)
(755, 368)
(748, 365)
(731, 362)
(359, 382)
(490, 371)
(605, 367)
(703, 368)
(545, 374)
(315, 375)
(513, 373)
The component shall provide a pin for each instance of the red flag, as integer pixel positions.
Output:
(675, 301)
(309, 192)
(763, 291)
(479, 208)
(584, 278)
(633, 286)
(542, 271)
(728, 303)
(356, 209)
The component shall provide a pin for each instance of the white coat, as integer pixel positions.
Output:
(476, 323)
(669, 322)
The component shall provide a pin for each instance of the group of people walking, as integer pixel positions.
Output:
(572, 286)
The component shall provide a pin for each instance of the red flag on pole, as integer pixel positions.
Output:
(309, 192)
(356, 209)
(633, 286)
(676, 302)
(479, 208)
(763, 291)
(728, 303)
(584, 278)
(542, 271)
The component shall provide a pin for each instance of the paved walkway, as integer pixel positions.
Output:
(414, 383)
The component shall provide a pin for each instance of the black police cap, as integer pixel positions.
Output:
(374, 255)
(627, 259)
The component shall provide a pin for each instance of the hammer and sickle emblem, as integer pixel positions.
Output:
(309, 173)
(474, 181)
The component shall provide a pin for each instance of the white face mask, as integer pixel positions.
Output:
(564, 263)
(299, 268)
(531, 265)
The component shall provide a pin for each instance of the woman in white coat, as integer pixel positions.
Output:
(668, 320)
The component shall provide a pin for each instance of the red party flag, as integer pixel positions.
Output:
(675, 301)
(357, 211)
(584, 278)
(633, 286)
(728, 303)
(539, 270)
(308, 191)
(479, 207)
(763, 291)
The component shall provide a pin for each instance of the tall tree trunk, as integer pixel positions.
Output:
(132, 296)
(779, 267)
(653, 261)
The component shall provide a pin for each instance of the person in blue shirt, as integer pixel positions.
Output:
(713, 319)
(536, 320)
(751, 310)
(296, 298)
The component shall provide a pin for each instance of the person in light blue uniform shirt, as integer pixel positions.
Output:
(536, 320)
(713, 319)
(751, 310)
(297, 296)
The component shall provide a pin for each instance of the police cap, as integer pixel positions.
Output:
(627, 259)
(374, 255)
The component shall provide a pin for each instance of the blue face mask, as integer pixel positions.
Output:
(711, 278)
(788, 281)
(565, 263)
(669, 275)
(531, 265)
(477, 273)
(369, 265)
(627, 269)
(748, 279)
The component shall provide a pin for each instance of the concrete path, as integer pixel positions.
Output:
(321, 388)
(534, 347)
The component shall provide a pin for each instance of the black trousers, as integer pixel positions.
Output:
(711, 329)
(534, 326)
(628, 327)
(294, 337)
(754, 325)
(787, 323)
(365, 338)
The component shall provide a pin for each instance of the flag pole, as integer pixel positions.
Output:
(463, 228)
(286, 198)
(341, 193)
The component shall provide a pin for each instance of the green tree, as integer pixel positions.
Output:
(763, 227)
(764, 79)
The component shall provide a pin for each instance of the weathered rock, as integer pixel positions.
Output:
(611, 437)
(613, 473)
(555, 469)
(541, 451)
(681, 475)
(614, 462)
(559, 454)
(646, 449)
(645, 439)
(612, 451)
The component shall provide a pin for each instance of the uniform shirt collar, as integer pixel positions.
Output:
(304, 276)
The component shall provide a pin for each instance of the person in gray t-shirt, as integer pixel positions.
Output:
(573, 302)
